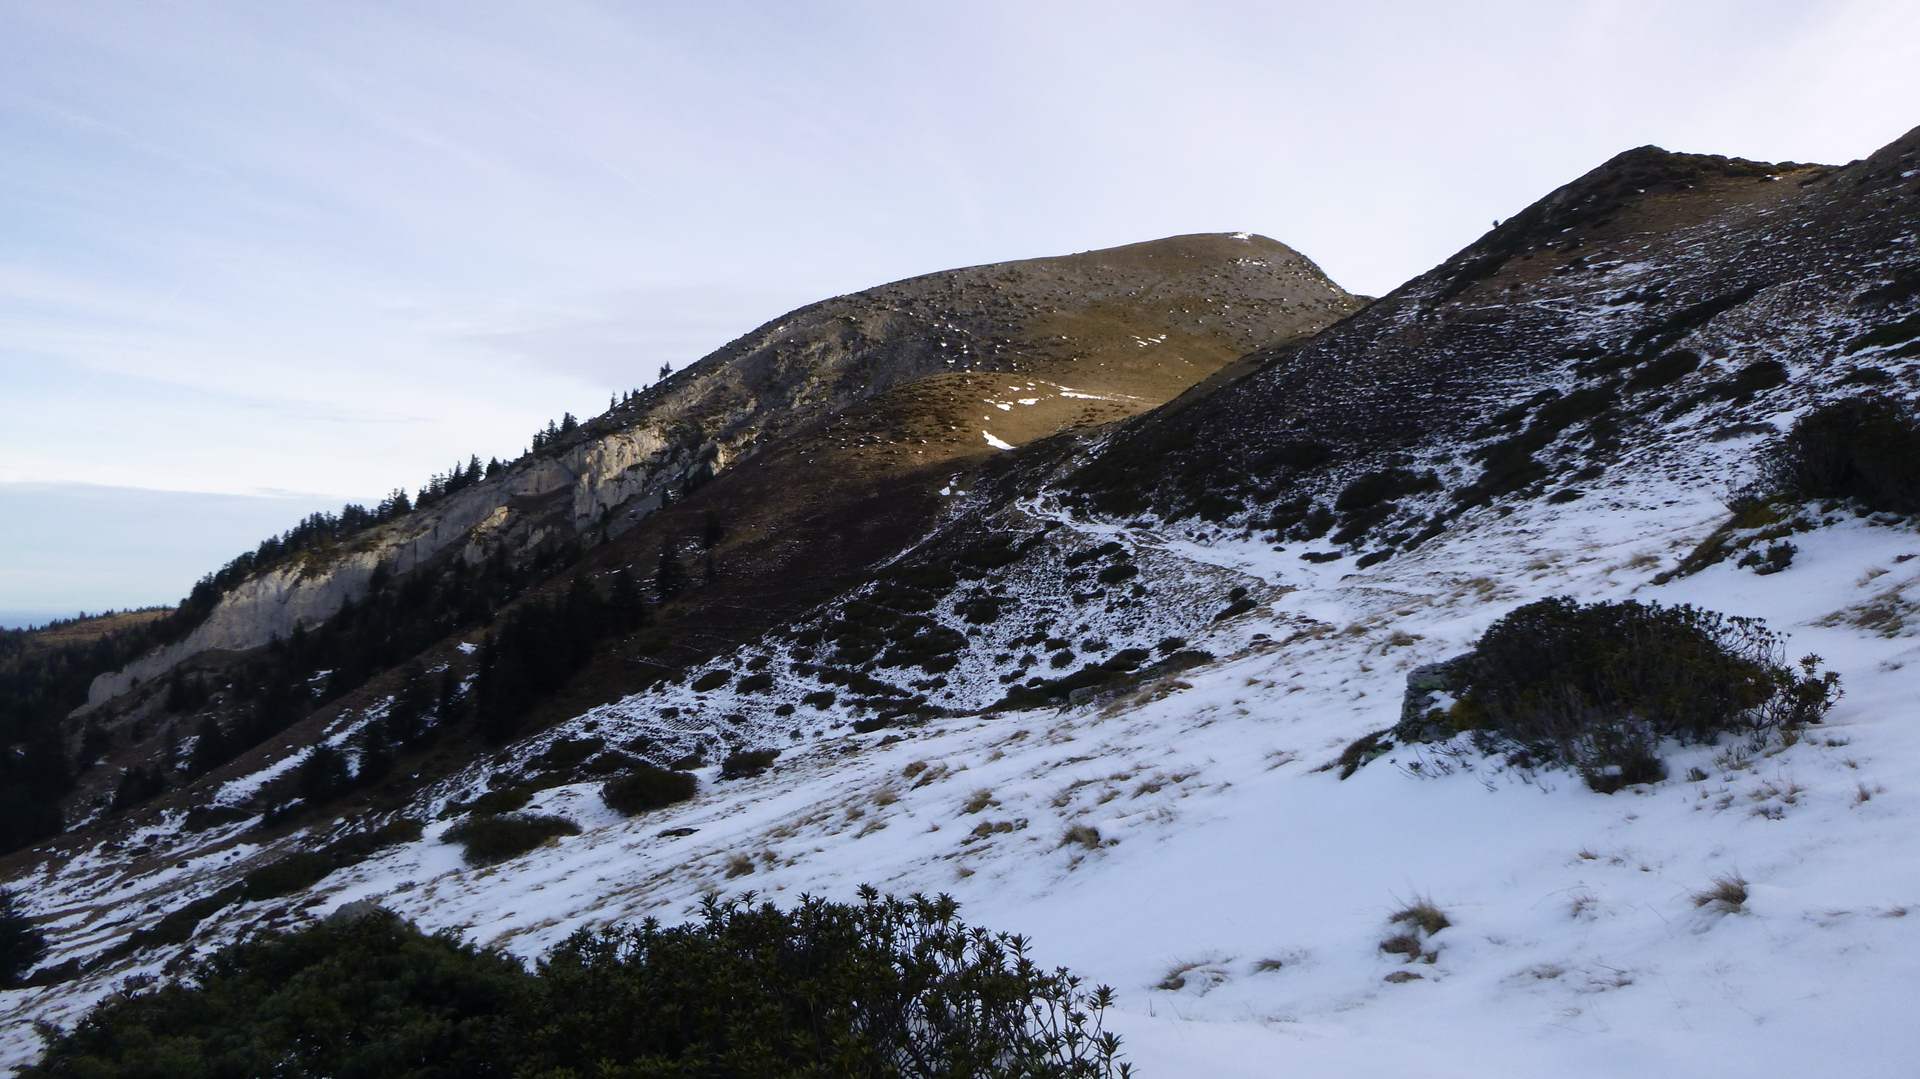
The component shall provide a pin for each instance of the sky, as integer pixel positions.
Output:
(307, 252)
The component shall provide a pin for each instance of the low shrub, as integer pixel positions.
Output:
(647, 787)
(1360, 751)
(503, 800)
(1860, 448)
(1776, 557)
(743, 763)
(1667, 369)
(369, 997)
(1753, 378)
(567, 753)
(485, 840)
(287, 876)
(1374, 488)
(879, 987)
(1598, 686)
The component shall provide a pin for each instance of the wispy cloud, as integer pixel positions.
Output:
(249, 245)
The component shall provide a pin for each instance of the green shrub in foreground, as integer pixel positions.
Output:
(373, 997)
(880, 987)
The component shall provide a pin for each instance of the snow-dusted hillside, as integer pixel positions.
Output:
(1098, 687)
(1182, 842)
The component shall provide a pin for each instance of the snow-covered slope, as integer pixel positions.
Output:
(1563, 409)
(1182, 842)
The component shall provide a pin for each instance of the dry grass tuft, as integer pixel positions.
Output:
(1082, 835)
(1405, 945)
(1728, 894)
(1422, 915)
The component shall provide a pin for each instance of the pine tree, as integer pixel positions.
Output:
(22, 944)
(376, 755)
(672, 578)
(582, 618)
(449, 704)
(210, 748)
(322, 774)
(95, 742)
(665, 370)
(138, 785)
(627, 607)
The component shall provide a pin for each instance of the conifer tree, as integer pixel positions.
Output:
(627, 607)
(210, 748)
(322, 774)
(671, 579)
(21, 942)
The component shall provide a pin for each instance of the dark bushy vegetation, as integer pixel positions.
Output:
(647, 787)
(21, 942)
(543, 642)
(489, 839)
(1861, 448)
(373, 997)
(1598, 686)
(742, 763)
(881, 987)
(283, 877)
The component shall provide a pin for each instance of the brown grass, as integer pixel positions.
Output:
(1423, 915)
(1082, 835)
(1727, 894)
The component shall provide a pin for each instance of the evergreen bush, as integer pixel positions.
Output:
(1861, 448)
(1599, 686)
(880, 987)
(742, 763)
(489, 839)
(647, 787)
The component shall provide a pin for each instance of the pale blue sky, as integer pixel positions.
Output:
(329, 248)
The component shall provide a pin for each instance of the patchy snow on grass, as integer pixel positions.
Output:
(1180, 840)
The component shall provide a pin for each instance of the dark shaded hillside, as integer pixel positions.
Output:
(1643, 298)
